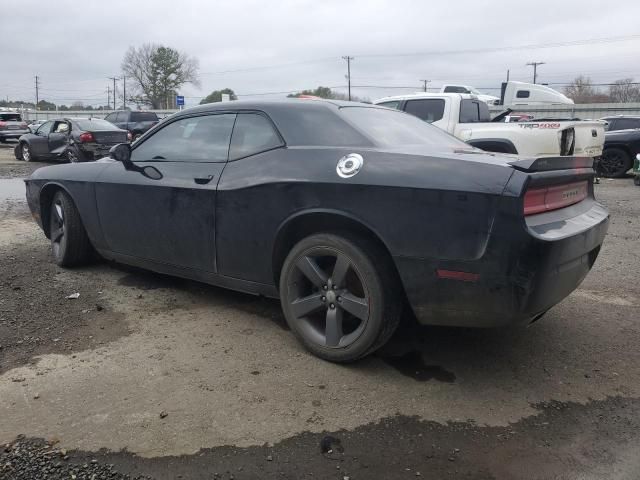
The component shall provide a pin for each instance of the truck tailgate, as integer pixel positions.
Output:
(589, 138)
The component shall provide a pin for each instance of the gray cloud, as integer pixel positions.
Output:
(75, 46)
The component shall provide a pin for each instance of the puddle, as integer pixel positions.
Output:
(12, 189)
(412, 365)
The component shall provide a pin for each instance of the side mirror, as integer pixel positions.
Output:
(121, 153)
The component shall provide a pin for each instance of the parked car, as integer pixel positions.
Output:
(344, 211)
(33, 126)
(11, 126)
(136, 122)
(621, 122)
(620, 149)
(468, 118)
(72, 139)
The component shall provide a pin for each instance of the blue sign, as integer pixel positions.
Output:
(179, 100)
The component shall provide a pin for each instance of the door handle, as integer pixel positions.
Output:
(203, 180)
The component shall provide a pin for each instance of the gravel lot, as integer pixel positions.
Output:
(148, 376)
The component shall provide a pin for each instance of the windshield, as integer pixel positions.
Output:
(95, 124)
(391, 128)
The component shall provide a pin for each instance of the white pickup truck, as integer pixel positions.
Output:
(467, 117)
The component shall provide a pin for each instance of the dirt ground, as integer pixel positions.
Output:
(168, 378)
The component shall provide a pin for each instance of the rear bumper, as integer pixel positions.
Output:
(520, 276)
(7, 134)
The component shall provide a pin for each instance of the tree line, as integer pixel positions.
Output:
(583, 90)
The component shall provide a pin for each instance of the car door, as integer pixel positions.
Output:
(39, 141)
(170, 220)
(59, 137)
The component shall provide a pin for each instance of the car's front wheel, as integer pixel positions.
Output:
(340, 296)
(615, 162)
(25, 151)
(70, 245)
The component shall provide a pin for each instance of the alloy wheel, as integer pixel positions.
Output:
(58, 228)
(611, 163)
(26, 153)
(328, 298)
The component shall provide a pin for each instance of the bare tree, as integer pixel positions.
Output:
(157, 72)
(624, 91)
(582, 90)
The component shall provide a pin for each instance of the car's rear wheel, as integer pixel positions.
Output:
(340, 296)
(615, 162)
(74, 155)
(25, 151)
(70, 245)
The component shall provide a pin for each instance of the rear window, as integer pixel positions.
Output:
(10, 117)
(389, 128)
(473, 111)
(455, 89)
(626, 123)
(95, 124)
(144, 117)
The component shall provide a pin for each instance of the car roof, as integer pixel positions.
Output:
(267, 105)
(614, 117)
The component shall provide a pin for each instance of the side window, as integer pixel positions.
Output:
(428, 109)
(121, 117)
(111, 117)
(523, 94)
(626, 123)
(45, 128)
(194, 139)
(392, 104)
(253, 133)
(60, 127)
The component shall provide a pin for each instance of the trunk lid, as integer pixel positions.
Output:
(110, 137)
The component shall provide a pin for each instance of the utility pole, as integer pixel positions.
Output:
(108, 96)
(425, 82)
(124, 91)
(535, 69)
(114, 90)
(348, 59)
(507, 75)
(37, 91)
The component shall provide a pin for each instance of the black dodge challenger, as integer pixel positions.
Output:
(344, 211)
(72, 139)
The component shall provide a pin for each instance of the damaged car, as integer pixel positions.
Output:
(346, 212)
(71, 139)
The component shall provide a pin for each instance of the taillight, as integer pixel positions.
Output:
(87, 137)
(546, 199)
(129, 136)
(3, 124)
(23, 125)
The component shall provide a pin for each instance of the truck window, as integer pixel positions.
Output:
(428, 109)
(455, 89)
(523, 94)
(473, 111)
(144, 117)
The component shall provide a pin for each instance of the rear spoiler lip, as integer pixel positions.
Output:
(545, 164)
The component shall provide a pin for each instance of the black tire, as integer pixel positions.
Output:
(17, 151)
(75, 155)
(340, 323)
(70, 245)
(25, 153)
(615, 162)
(3, 140)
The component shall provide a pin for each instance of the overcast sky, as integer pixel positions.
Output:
(257, 46)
